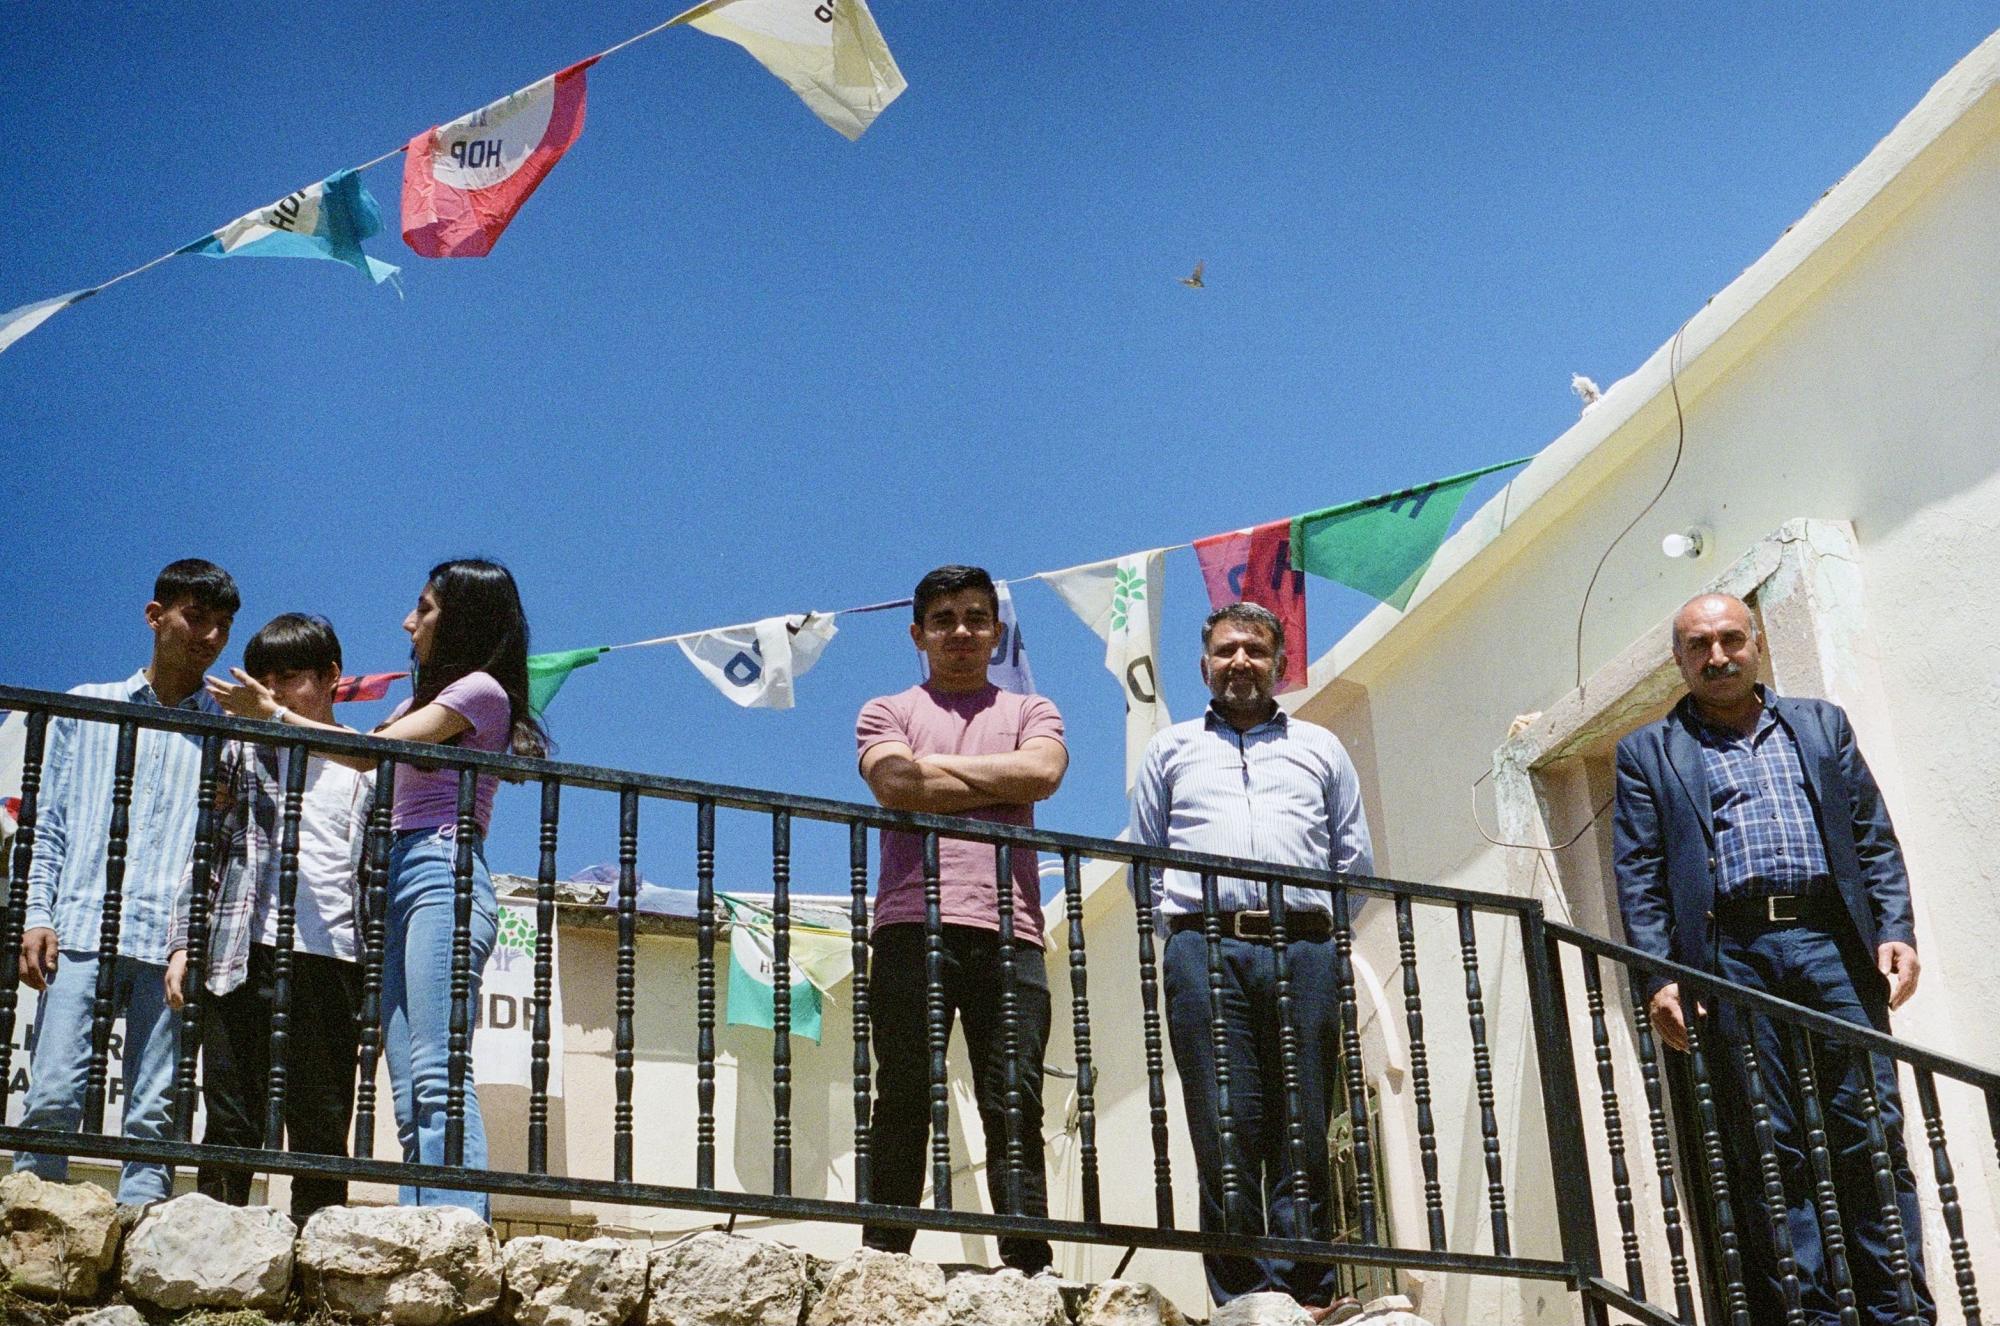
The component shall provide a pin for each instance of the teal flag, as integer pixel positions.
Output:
(1383, 545)
(547, 673)
(753, 960)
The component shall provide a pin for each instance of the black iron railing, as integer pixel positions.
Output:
(1697, 1215)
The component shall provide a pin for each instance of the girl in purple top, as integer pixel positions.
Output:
(469, 641)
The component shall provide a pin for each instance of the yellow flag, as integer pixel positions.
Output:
(828, 51)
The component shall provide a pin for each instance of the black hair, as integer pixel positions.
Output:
(481, 628)
(949, 580)
(1247, 613)
(292, 642)
(206, 583)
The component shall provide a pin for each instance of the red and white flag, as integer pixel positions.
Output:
(463, 181)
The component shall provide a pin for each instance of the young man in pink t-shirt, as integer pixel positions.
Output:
(957, 745)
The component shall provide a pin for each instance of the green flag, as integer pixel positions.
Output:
(1382, 545)
(547, 673)
(819, 957)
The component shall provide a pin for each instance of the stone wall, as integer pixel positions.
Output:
(71, 1256)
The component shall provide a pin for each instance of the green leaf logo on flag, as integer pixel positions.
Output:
(1129, 588)
(1383, 545)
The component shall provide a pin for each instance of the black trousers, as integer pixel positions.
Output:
(900, 1127)
(325, 1027)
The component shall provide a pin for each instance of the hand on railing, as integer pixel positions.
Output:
(38, 957)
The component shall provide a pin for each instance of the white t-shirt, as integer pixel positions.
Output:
(329, 819)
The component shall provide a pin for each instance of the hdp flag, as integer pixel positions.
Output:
(816, 960)
(547, 673)
(324, 220)
(16, 323)
(1382, 545)
(371, 687)
(1120, 600)
(828, 51)
(754, 665)
(463, 181)
(1255, 566)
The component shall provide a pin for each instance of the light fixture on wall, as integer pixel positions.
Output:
(1688, 543)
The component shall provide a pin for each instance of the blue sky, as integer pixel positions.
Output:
(726, 364)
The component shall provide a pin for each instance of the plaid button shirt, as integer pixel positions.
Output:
(1766, 837)
(250, 792)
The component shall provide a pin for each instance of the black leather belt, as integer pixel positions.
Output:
(1304, 924)
(1779, 910)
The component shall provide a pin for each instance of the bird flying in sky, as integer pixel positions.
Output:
(1194, 281)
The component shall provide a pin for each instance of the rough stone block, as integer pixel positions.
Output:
(556, 1282)
(1261, 1310)
(1004, 1298)
(1128, 1303)
(57, 1240)
(196, 1252)
(399, 1265)
(717, 1279)
(874, 1288)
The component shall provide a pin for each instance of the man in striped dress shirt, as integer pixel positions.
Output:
(1247, 780)
(194, 602)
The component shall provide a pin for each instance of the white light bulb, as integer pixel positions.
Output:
(1682, 543)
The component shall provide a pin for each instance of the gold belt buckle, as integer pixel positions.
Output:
(1782, 907)
(1236, 925)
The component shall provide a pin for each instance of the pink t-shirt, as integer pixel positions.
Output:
(428, 798)
(932, 722)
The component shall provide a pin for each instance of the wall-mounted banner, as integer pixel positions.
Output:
(463, 181)
(324, 220)
(828, 51)
(504, 1049)
(755, 665)
(1255, 566)
(1120, 600)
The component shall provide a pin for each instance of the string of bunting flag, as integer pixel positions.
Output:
(463, 181)
(1379, 545)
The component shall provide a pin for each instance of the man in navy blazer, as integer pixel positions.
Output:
(1751, 841)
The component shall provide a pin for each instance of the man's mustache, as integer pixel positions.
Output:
(1716, 672)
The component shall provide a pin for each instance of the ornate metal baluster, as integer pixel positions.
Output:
(857, 920)
(1614, 1126)
(937, 1031)
(1079, 1004)
(1774, 1186)
(704, 996)
(97, 1076)
(1893, 1232)
(1010, 1026)
(1218, 1032)
(1357, 1076)
(1826, 1198)
(625, 1000)
(1420, 1073)
(1735, 1296)
(459, 1073)
(297, 760)
(545, 949)
(1947, 1186)
(1482, 1072)
(781, 1003)
(1663, 1156)
(194, 1002)
(1296, 1175)
(1156, 1069)
(374, 940)
(17, 893)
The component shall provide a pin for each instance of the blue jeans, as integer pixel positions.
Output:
(1808, 966)
(61, 1061)
(1265, 1200)
(416, 1003)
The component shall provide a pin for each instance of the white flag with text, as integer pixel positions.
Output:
(754, 665)
(828, 51)
(1120, 600)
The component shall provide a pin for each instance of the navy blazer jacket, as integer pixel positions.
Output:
(1664, 837)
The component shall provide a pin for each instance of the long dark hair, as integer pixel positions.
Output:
(481, 628)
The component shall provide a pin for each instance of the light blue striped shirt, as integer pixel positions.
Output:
(73, 825)
(1285, 792)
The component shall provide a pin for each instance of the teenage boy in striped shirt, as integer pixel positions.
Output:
(193, 605)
